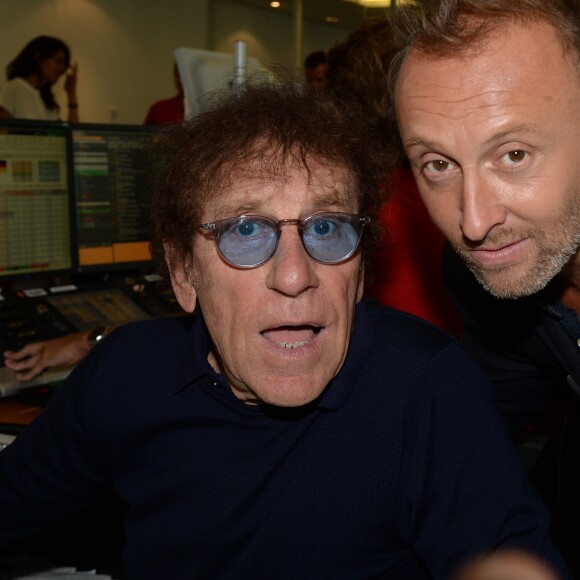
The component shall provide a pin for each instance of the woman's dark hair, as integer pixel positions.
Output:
(28, 63)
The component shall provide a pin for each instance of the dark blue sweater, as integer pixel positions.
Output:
(401, 469)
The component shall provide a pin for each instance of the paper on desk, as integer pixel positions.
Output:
(27, 567)
(64, 574)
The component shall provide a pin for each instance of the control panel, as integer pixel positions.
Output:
(40, 314)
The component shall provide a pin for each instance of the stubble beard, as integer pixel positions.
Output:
(555, 248)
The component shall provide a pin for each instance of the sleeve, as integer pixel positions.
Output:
(54, 468)
(465, 488)
(7, 98)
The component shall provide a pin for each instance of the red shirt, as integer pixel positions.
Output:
(407, 265)
(166, 112)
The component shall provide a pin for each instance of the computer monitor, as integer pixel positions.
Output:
(35, 200)
(112, 183)
(204, 71)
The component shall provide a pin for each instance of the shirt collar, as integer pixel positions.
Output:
(566, 316)
(195, 365)
(549, 300)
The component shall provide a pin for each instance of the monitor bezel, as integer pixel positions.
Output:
(24, 277)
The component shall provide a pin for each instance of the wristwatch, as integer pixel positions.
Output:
(97, 334)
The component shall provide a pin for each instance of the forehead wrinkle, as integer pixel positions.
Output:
(232, 203)
(319, 201)
(448, 110)
(328, 186)
(499, 123)
(329, 195)
(231, 208)
(458, 108)
(514, 131)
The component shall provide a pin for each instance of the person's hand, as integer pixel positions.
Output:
(70, 86)
(34, 358)
(508, 565)
(70, 82)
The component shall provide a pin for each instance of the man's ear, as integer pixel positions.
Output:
(180, 281)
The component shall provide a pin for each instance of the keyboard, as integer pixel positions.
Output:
(10, 385)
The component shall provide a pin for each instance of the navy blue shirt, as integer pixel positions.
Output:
(401, 469)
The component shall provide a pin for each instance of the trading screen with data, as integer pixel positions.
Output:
(111, 165)
(35, 199)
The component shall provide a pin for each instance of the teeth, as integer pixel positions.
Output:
(292, 344)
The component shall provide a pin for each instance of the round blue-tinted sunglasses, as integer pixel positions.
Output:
(248, 241)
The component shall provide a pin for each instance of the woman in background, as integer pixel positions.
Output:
(31, 75)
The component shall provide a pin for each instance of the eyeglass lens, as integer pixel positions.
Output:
(248, 241)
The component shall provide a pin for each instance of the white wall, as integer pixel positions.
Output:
(269, 35)
(124, 48)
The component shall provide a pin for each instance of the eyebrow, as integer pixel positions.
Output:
(525, 128)
(418, 141)
(516, 129)
(245, 207)
(318, 200)
(334, 198)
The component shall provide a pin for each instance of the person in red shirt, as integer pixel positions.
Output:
(168, 111)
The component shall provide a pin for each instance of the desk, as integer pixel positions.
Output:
(13, 411)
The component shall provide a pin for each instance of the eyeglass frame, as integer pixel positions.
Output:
(215, 230)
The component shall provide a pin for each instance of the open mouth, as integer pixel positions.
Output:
(291, 336)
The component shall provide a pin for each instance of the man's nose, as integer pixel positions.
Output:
(482, 206)
(292, 270)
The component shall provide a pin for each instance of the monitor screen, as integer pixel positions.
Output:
(35, 200)
(204, 71)
(111, 165)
